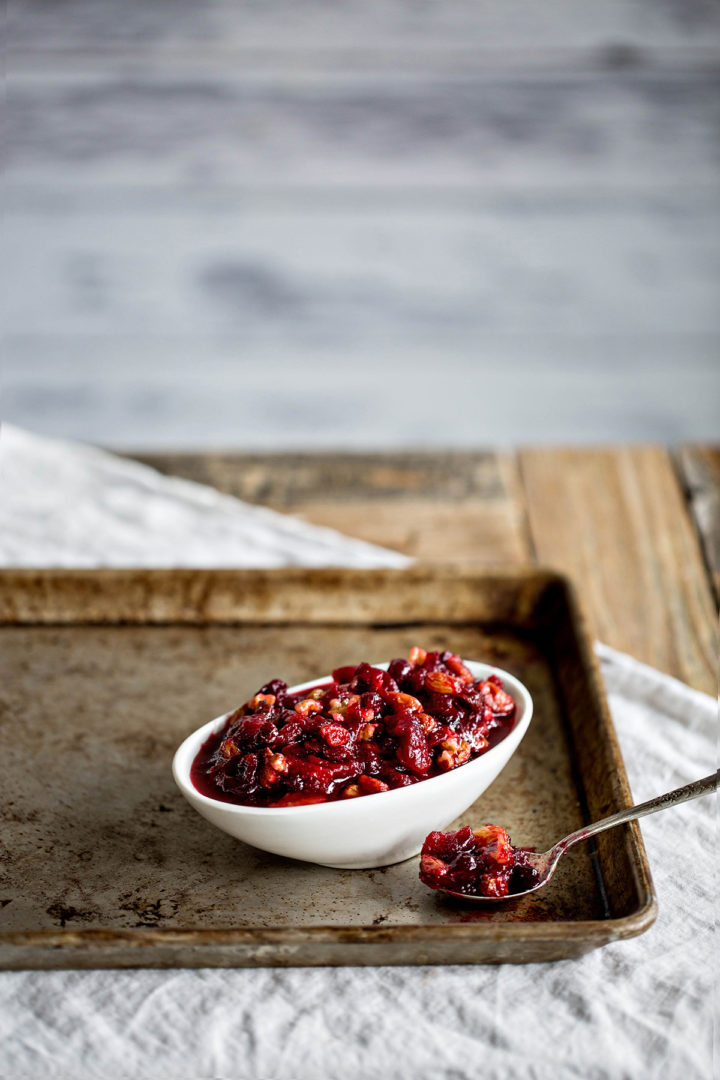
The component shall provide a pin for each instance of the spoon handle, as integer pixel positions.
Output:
(660, 802)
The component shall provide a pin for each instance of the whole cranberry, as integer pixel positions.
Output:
(412, 749)
(278, 688)
(370, 757)
(242, 776)
(399, 670)
(344, 674)
(371, 699)
(255, 732)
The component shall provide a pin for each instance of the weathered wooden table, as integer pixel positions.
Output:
(636, 528)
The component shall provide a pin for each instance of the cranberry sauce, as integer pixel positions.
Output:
(365, 731)
(477, 862)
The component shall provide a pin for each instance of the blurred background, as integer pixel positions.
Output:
(363, 224)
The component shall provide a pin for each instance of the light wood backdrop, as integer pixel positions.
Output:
(225, 221)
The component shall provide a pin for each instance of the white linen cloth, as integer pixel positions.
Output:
(65, 504)
(633, 1010)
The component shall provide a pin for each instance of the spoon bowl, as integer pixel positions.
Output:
(545, 863)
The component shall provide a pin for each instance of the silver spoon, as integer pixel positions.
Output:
(545, 862)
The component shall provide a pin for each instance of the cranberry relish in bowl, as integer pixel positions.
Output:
(316, 809)
(365, 732)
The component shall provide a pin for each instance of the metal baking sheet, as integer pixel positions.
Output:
(103, 673)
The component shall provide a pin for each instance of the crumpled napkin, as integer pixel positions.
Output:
(633, 1010)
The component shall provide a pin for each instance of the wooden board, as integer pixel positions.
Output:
(104, 672)
(615, 520)
(434, 507)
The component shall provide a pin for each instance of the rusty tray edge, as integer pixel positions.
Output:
(647, 913)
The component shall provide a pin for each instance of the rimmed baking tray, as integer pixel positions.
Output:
(103, 673)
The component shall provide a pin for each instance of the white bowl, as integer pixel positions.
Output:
(370, 830)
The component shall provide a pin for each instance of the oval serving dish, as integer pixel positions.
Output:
(369, 831)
